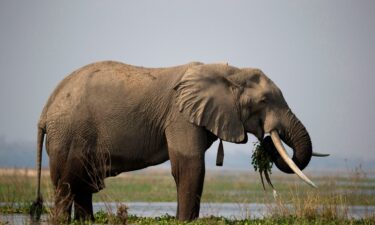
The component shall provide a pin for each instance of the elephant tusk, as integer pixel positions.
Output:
(280, 148)
(317, 154)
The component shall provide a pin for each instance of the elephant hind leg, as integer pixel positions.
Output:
(63, 203)
(83, 209)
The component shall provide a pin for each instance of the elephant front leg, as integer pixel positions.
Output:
(188, 173)
(186, 147)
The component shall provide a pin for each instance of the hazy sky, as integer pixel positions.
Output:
(320, 53)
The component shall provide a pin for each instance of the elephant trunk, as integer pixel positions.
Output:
(295, 135)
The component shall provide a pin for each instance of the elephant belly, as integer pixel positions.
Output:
(127, 157)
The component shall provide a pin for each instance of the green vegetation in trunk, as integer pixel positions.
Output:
(260, 160)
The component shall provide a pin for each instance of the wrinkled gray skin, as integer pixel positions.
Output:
(108, 117)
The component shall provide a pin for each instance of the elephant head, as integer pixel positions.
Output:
(232, 102)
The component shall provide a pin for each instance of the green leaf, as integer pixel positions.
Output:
(260, 160)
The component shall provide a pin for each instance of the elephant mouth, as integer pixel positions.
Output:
(259, 131)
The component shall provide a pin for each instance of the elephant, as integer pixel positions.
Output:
(109, 117)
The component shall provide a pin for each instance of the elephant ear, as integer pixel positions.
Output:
(207, 99)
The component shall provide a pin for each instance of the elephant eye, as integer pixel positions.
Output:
(263, 101)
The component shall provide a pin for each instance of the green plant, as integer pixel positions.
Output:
(262, 162)
(101, 217)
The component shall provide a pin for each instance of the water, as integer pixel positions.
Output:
(155, 209)
(228, 210)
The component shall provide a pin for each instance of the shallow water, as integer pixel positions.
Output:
(154, 209)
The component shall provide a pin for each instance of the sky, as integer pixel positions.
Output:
(321, 54)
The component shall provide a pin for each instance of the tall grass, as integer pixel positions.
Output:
(18, 188)
(330, 201)
(310, 205)
(235, 187)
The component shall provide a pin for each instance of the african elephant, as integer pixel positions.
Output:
(109, 117)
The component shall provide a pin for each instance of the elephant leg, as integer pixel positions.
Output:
(83, 206)
(186, 147)
(58, 149)
(63, 202)
(189, 177)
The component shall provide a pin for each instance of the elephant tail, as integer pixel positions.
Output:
(37, 206)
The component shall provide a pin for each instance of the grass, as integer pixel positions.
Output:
(296, 203)
(220, 186)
